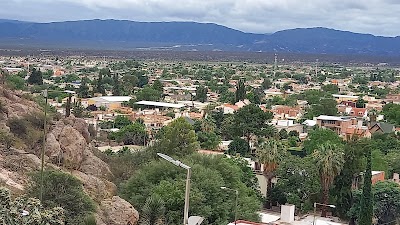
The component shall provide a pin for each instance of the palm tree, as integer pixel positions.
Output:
(329, 159)
(153, 211)
(270, 153)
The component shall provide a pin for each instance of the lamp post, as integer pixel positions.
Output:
(236, 200)
(68, 107)
(315, 208)
(180, 164)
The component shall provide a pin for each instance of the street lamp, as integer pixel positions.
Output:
(180, 164)
(68, 107)
(236, 200)
(315, 208)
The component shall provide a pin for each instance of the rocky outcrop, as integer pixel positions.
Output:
(68, 147)
(92, 165)
(117, 211)
(97, 188)
(15, 165)
(17, 104)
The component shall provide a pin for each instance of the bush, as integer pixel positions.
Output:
(10, 211)
(18, 127)
(62, 189)
(6, 139)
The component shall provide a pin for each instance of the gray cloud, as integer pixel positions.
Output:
(379, 17)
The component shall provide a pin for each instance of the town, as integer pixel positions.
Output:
(309, 133)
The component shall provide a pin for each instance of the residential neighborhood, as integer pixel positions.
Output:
(237, 110)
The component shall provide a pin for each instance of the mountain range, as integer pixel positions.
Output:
(188, 36)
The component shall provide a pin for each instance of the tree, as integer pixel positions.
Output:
(208, 140)
(129, 82)
(209, 174)
(117, 89)
(319, 136)
(143, 80)
(270, 154)
(153, 211)
(83, 90)
(251, 120)
(391, 112)
(386, 202)
(240, 91)
(78, 110)
(100, 84)
(35, 77)
(366, 211)
(361, 103)
(133, 134)
(331, 88)
(293, 133)
(201, 93)
(149, 94)
(266, 84)
(329, 160)
(326, 106)
(283, 134)
(15, 82)
(27, 211)
(298, 181)
(178, 138)
(239, 146)
(354, 157)
(121, 121)
(69, 195)
(157, 85)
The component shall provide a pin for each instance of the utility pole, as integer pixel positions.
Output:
(316, 68)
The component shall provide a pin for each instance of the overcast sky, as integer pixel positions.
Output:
(379, 17)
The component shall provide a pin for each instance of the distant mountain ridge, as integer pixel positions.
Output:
(189, 36)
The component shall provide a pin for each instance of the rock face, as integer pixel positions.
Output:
(68, 148)
(66, 145)
(97, 188)
(117, 211)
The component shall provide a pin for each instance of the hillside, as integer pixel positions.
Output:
(189, 36)
(68, 149)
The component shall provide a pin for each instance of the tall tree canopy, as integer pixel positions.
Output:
(207, 199)
(329, 159)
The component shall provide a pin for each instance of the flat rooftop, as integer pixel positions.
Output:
(160, 104)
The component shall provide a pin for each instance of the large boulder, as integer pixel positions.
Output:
(117, 211)
(65, 144)
(94, 166)
(98, 189)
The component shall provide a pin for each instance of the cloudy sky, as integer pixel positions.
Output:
(379, 17)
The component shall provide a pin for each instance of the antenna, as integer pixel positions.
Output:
(275, 63)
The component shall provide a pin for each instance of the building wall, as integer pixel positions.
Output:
(378, 177)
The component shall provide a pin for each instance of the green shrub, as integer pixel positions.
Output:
(18, 127)
(64, 190)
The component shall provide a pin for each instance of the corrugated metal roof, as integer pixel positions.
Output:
(160, 104)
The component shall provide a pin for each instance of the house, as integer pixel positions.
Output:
(376, 177)
(393, 98)
(344, 126)
(341, 98)
(288, 125)
(109, 102)
(228, 108)
(353, 111)
(382, 128)
(282, 112)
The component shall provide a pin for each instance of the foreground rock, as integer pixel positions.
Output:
(117, 211)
